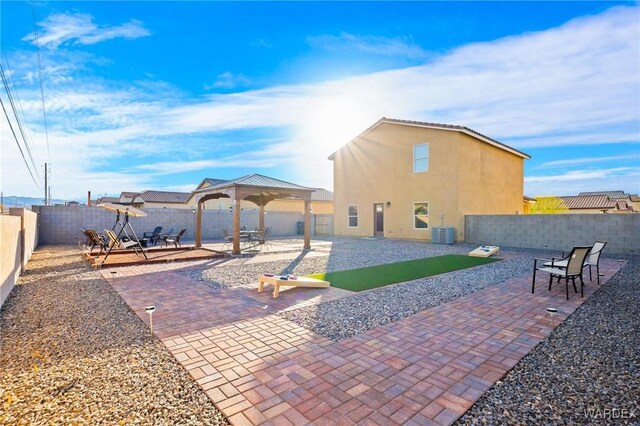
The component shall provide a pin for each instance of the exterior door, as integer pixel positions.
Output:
(378, 220)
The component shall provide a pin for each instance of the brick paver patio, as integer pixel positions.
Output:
(428, 368)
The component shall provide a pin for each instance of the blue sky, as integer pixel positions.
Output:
(159, 95)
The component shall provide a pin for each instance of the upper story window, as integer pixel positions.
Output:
(421, 158)
(353, 216)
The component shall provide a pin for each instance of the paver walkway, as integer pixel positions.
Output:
(428, 368)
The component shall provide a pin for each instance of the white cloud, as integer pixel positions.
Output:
(368, 44)
(573, 182)
(544, 89)
(228, 80)
(589, 160)
(80, 29)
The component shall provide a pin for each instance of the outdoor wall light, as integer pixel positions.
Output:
(388, 204)
(150, 310)
(230, 208)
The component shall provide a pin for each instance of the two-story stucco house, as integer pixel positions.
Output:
(398, 179)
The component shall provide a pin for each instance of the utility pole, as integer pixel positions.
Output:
(46, 186)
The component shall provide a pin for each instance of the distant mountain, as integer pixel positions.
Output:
(17, 201)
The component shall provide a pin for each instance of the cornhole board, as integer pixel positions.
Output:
(484, 251)
(286, 281)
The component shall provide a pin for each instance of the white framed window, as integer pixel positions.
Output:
(421, 215)
(421, 158)
(352, 216)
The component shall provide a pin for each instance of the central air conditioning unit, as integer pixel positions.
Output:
(443, 235)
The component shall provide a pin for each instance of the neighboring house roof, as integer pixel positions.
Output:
(108, 200)
(528, 198)
(634, 197)
(255, 180)
(588, 202)
(622, 205)
(165, 196)
(213, 181)
(610, 194)
(320, 194)
(440, 126)
(129, 194)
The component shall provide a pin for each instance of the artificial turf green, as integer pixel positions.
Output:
(379, 276)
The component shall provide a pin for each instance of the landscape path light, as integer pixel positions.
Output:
(552, 312)
(150, 310)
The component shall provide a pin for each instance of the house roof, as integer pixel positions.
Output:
(165, 196)
(107, 200)
(588, 202)
(610, 194)
(129, 194)
(319, 194)
(213, 181)
(634, 197)
(440, 126)
(526, 198)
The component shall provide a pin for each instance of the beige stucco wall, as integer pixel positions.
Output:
(318, 207)
(10, 247)
(147, 205)
(465, 176)
(18, 239)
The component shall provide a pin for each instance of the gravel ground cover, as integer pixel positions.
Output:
(342, 318)
(586, 372)
(344, 254)
(346, 317)
(74, 353)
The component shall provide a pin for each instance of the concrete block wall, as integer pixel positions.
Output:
(62, 224)
(556, 232)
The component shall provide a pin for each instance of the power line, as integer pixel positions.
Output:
(37, 42)
(18, 121)
(29, 140)
(17, 142)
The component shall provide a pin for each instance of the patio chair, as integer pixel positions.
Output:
(174, 239)
(573, 269)
(265, 238)
(593, 259)
(94, 239)
(228, 238)
(153, 236)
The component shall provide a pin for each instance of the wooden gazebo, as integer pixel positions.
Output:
(258, 189)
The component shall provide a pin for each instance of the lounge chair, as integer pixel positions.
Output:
(153, 236)
(174, 239)
(572, 269)
(94, 239)
(593, 259)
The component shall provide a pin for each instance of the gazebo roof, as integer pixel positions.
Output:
(256, 188)
(256, 180)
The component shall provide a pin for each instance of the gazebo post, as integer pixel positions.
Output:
(261, 219)
(199, 224)
(307, 224)
(236, 227)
